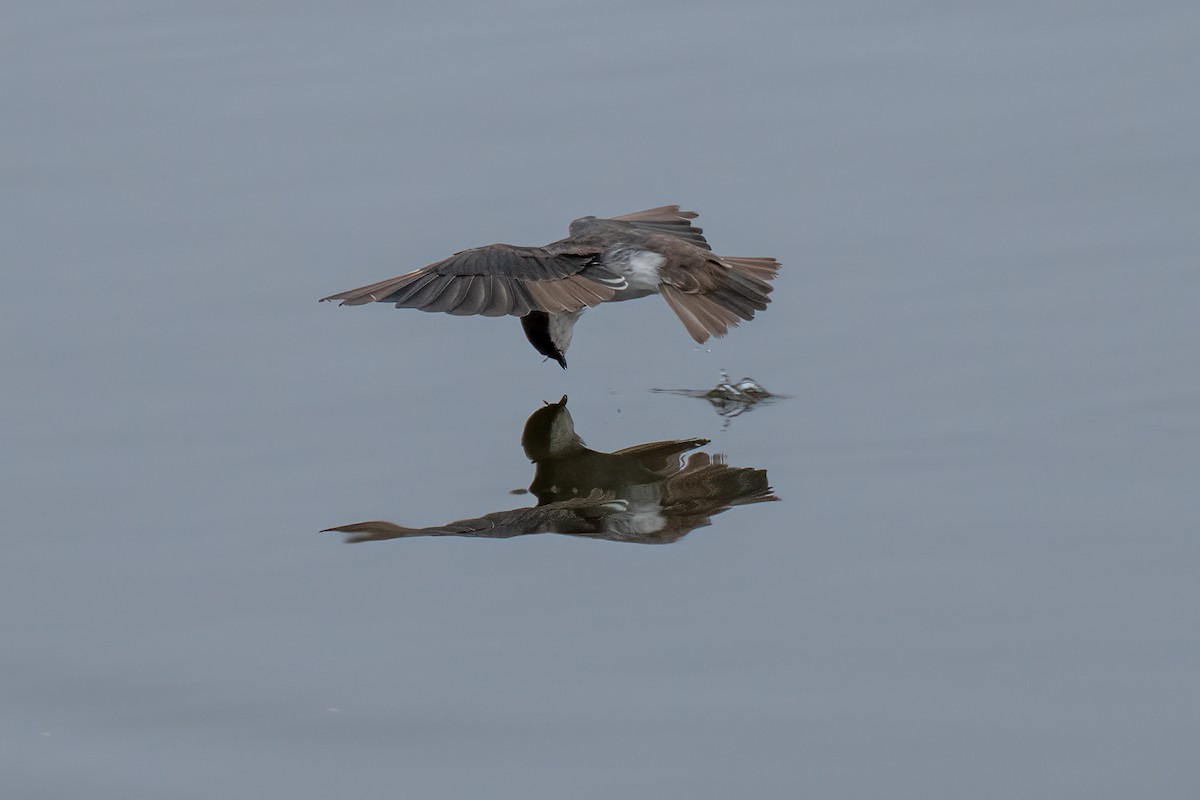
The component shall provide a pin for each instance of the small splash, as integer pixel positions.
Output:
(730, 398)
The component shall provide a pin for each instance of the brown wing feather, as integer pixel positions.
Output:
(670, 220)
(473, 299)
(496, 280)
(666, 220)
(451, 296)
(765, 269)
(502, 300)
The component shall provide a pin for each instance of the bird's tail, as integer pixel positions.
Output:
(727, 296)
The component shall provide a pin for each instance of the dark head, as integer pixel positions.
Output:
(538, 332)
(550, 432)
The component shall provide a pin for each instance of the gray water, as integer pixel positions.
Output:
(980, 577)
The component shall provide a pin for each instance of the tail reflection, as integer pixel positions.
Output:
(646, 494)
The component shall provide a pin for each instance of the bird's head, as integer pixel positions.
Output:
(550, 334)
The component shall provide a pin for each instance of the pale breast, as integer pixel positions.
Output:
(562, 326)
(640, 268)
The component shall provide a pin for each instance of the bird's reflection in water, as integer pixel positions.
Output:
(648, 494)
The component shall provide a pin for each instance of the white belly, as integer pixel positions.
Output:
(640, 268)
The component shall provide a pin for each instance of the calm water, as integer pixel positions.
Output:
(980, 577)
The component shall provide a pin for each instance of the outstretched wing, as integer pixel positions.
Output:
(496, 280)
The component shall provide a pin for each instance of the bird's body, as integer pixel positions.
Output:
(656, 251)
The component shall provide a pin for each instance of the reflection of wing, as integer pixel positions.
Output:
(496, 280)
(661, 456)
(687, 498)
(580, 515)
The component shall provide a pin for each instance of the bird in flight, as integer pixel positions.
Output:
(602, 260)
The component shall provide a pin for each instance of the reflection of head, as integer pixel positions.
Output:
(550, 432)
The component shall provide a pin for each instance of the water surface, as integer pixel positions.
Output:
(980, 578)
